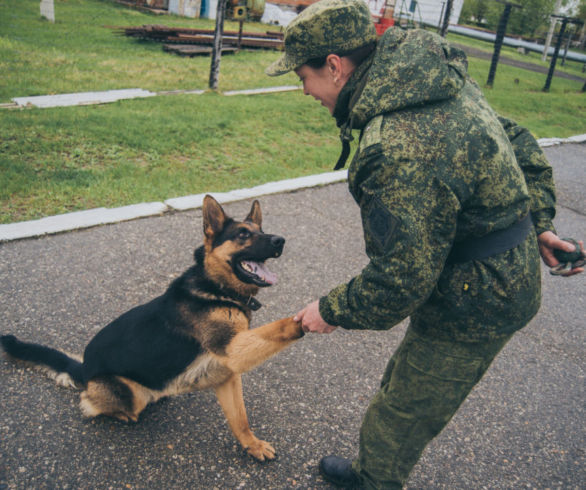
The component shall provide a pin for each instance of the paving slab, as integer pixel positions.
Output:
(82, 98)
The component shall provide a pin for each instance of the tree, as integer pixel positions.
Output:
(581, 11)
(475, 11)
(532, 20)
(528, 21)
(581, 14)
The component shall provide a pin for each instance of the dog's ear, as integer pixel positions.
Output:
(213, 217)
(255, 214)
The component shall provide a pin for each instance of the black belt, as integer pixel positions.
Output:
(478, 248)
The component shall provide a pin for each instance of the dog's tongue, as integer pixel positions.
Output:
(262, 271)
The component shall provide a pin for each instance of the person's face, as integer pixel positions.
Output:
(320, 84)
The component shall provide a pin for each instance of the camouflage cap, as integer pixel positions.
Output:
(325, 27)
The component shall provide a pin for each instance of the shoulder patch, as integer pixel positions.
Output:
(372, 133)
(381, 224)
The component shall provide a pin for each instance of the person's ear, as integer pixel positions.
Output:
(334, 66)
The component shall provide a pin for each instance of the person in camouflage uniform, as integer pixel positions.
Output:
(455, 204)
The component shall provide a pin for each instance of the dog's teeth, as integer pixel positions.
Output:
(259, 269)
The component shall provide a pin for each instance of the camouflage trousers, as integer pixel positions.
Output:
(425, 382)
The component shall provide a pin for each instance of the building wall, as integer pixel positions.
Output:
(427, 11)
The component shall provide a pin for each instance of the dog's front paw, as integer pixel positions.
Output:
(291, 330)
(261, 450)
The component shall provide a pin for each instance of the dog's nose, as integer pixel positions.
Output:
(277, 241)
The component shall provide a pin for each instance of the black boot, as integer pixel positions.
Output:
(339, 471)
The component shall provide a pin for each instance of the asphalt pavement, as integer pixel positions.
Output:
(523, 426)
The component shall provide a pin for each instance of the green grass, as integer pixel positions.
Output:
(79, 53)
(65, 159)
(518, 94)
(73, 158)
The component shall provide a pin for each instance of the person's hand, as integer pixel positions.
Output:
(548, 242)
(311, 320)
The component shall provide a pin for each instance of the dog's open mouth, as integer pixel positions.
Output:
(256, 272)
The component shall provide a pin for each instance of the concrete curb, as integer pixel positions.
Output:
(544, 142)
(100, 216)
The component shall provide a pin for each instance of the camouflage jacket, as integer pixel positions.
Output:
(435, 165)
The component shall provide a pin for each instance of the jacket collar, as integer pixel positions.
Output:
(351, 92)
(347, 98)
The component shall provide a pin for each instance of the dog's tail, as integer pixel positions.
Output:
(67, 371)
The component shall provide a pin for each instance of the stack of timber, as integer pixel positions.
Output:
(158, 7)
(298, 5)
(195, 49)
(191, 42)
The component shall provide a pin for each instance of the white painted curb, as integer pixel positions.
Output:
(101, 216)
(543, 142)
(78, 219)
(196, 201)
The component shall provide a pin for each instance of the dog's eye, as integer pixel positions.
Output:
(243, 234)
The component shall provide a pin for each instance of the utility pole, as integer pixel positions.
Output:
(556, 52)
(556, 10)
(441, 18)
(447, 14)
(500, 35)
(217, 51)
(567, 48)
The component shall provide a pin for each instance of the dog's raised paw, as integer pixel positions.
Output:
(298, 330)
(291, 330)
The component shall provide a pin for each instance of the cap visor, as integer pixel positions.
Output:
(280, 67)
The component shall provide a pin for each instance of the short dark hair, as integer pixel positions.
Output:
(356, 56)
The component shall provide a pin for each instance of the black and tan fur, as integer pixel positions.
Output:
(195, 336)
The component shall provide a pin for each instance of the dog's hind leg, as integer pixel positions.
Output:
(114, 396)
(232, 402)
(251, 348)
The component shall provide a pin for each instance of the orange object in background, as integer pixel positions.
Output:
(384, 20)
(383, 24)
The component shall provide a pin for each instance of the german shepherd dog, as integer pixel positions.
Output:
(195, 336)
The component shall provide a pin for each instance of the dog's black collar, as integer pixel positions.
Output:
(249, 302)
(212, 292)
(253, 304)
